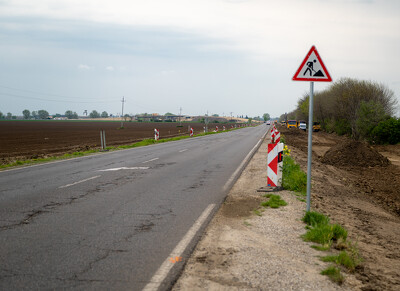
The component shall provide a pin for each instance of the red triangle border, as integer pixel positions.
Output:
(297, 78)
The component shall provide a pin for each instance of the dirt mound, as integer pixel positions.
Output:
(355, 154)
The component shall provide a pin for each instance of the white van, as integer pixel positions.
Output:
(303, 126)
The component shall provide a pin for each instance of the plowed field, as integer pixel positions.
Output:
(34, 139)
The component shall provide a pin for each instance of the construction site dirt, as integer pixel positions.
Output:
(21, 140)
(358, 186)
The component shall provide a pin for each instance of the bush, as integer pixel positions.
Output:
(387, 131)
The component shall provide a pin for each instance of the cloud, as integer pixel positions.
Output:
(110, 68)
(84, 67)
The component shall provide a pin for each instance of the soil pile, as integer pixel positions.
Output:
(354, 153)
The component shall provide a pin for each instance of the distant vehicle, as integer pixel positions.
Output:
(291, 123)
(316, 126)
(268, 122)
(303, 125)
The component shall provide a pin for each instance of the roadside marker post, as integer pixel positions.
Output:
(312, 69)
(103, 139)
(191, 131)
(156, 134)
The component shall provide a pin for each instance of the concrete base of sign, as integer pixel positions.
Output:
(270, 189)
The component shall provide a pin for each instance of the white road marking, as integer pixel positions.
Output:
(125, 168)
(155, 159)
(84, 180)
(181, 151)
(166, 266)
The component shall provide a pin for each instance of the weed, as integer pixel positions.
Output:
(334, 274)
(293, 178)
(314, 219)
(322, 248)
(257, 212)
(274, 201)
(345, 259)
(246, 223)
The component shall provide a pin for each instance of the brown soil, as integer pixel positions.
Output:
(354, 154)
(37, 139)
(359, 188)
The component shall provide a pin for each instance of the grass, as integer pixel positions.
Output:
(274, 201)
(293, 178)
(314, 218)
(257, 212)
(334, 274)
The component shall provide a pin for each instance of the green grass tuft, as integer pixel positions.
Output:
(274, 201)
(314, 219)
(334, 274)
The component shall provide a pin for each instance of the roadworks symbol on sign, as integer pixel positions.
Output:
(312, 68)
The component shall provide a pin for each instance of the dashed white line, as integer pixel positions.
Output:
(81, 181)
(164, 269)
(155, 159)
(181, 151)
(125, 168)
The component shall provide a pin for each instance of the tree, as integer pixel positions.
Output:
(9, 115)
(104, 114)
(215, 115)
(94, 114)
(26, 113)
(370, 114)
(43, 114)
(168, 114)
(71, 115)
(1, 115)
(266, 116)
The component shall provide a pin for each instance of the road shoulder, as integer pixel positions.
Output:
(241, 250)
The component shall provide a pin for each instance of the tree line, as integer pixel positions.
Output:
(43, 114)
(358, 108)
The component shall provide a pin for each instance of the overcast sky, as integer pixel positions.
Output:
(219, 56)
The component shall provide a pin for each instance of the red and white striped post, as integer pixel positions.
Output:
(223, 128)
(156, 134)
(191, 131)
(274, 162)
(216, 128)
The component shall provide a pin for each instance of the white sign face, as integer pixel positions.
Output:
(312, 68)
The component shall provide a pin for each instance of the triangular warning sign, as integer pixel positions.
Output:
(312, 68)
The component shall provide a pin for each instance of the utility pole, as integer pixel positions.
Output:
(122, 115)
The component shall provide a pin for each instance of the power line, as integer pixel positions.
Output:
(42, 93)
(51, 100)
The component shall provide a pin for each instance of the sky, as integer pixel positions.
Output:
(226, 57)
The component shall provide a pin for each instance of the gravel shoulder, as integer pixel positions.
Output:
(243, 251)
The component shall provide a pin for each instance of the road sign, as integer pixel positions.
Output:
(312, 68)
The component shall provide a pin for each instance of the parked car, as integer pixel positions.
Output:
(303, 125)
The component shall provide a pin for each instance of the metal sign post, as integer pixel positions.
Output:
(310, 122)
(311, 69)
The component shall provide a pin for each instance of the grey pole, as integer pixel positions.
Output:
(101, 139)
(310, 122)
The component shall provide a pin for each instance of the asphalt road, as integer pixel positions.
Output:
(122, 220)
